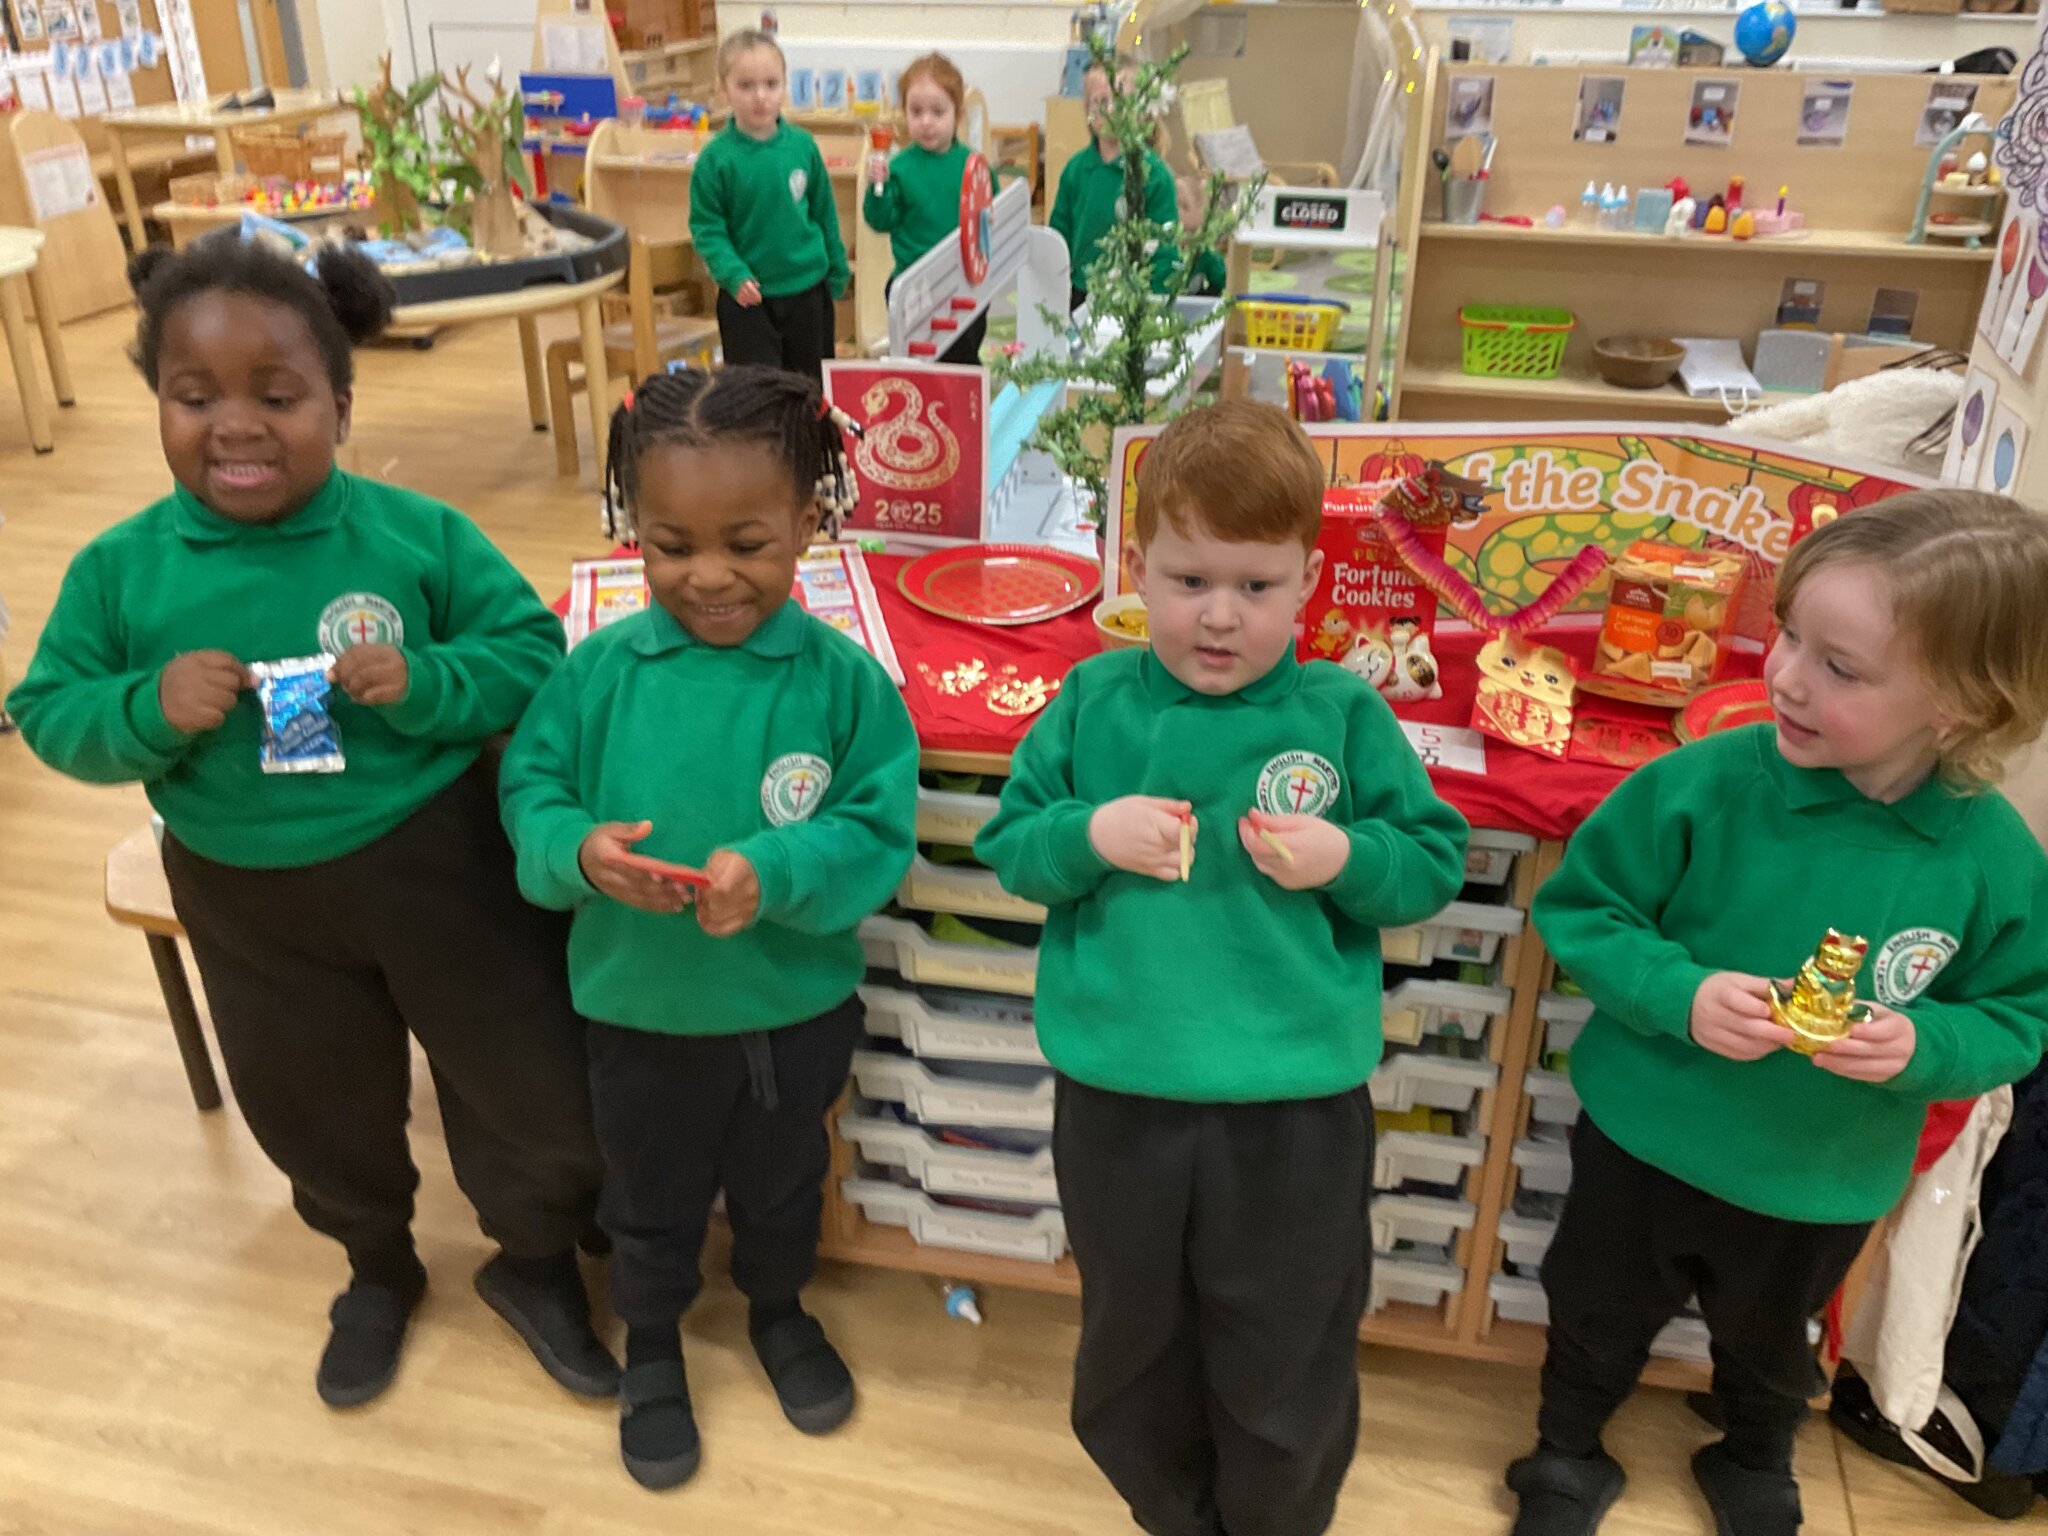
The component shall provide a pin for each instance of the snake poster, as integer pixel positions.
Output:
(921, 458)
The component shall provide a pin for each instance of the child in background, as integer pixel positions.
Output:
(334, 912)
(723, 727)
(1091, 191)
(1214, 1023)
(765, 221)
(915, 197)
(1711, 1160)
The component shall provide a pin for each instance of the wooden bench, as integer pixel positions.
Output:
(138, 896)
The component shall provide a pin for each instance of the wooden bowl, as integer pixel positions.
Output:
(1637, 362)
(1109, 635)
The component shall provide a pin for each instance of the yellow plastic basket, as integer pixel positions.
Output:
(1292, 321)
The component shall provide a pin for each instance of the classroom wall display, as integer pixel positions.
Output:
(1599, 115)
(1824, 113)
(922, 458)
(1711, 120)
(1965, 456)
(1948, 103)
(1574, 485)
(2005, 451)
(1468, 107)
(2014, 248)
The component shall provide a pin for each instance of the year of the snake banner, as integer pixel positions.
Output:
(922, 457)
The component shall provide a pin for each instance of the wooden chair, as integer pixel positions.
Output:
(138, 896)
(635, 347)
(1205, 110)
(24, 273)
(46, 182)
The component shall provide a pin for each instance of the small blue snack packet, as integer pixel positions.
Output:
(299, 735)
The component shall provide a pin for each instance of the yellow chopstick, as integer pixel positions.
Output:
(1272, 841)
(1187, 848)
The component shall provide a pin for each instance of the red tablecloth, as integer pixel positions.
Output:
(1519, 792)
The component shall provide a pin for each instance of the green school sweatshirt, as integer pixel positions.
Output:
(361, 562)
(1724, 857)
(793, 749)
(919, 205)
(1226, 988)
(1091, 198)
(763, 209)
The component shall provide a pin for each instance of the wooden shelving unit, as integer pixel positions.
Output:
(1857, 200)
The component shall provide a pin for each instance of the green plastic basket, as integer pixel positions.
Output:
(1502, 342)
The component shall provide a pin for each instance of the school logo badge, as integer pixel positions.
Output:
(1909, 962)
(1298, 784)
(793, 787)
(799, 184)
(359, 618)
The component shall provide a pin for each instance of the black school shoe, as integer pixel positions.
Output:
(1564, 1495)
(368, 1331)
(657, 1429)
(1853, 1411)
(1746, 1502)
(811, 1382)
(553, 1318)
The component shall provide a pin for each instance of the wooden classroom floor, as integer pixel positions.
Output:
(161, 1307)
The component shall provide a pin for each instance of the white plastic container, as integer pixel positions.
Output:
(1551, 1099)
(1419, 1282)
(898, 944)
(1546, 1167)
(1490, 856)
(947, 816)
(1410, 1078)
(963, 889)
(1398, 1219)
(1527, 1238)
(1426, 1006)
(1041, 1237)
(984, 1027)
(1564, 1020)
(1417, 1157)
(1009, 1097)
(1465, 930)
(1683, 1338)
(1519, 1300)
(945, 1169)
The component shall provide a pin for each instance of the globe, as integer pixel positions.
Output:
(1764, 32)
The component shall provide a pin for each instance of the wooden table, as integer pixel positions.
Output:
(526, 305)
(138, 896)
(21, 263)
(179, 121)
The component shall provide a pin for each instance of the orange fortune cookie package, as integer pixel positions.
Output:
(1369, 611)
(1670, 612)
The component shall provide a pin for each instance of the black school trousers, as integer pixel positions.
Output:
(316, 976)
(1225, 1253)
(796, 331)
(1633, 1246)
(682, 1116)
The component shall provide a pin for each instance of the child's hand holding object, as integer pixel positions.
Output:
(1731, 1016)
(1296, 853)
(371, 674)
(612, 868)
(1875, 1051)
(733, 899)
(1142, 834)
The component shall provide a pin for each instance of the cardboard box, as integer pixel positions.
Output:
(1368, 611)
(1670, 611)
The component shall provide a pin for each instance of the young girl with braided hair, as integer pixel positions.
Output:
(719, 789)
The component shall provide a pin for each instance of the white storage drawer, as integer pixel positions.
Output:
(1041, 1236)
(898, 944)
(1519, 1300)
(1465, 930)
(1552, 1100)
(1490, 856)
(1420, 1282)
(945, 1169)
(1419, 1219)
(947, 816)
(1426, 1006)
(954, 1026)
(1546, 1166)
(1527, 1238)
(1564, 1020)
(1410, 1078)
(965, 889)
(1418, 1157)
(989, 1093)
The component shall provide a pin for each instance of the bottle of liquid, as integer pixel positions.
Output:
(1607, 205)
(1589, 206)
(1621, 218)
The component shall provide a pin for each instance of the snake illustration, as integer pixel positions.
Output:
(900, 451)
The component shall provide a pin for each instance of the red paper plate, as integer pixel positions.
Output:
(999, 583)
(1724, 707)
